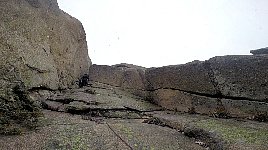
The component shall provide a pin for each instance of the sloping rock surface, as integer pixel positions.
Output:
(218, 134)
(109, 118)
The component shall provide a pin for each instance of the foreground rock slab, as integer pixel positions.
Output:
(105, 117)
(216, 133)
(86, 99)
(65, 131)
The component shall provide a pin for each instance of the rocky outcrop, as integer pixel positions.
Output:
(192, 77)
(261, 51)
(243, 77)
(124, 76)
(226, 86)
(41, 47)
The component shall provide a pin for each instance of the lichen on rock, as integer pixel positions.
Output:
(40, 47)
(18, 112)
(45, 44)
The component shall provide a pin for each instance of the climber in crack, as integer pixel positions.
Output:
(83, 81)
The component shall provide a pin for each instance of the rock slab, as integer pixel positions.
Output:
(225, 86)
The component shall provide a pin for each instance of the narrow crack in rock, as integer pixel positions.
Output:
(218, 94)
(126, 88)
(212, 96)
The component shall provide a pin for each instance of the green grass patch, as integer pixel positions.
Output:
(235, 132)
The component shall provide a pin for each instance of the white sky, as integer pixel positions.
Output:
(155, 33)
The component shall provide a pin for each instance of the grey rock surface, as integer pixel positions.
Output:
(225, 134)
(41, 47)
(241, 76)
(261, 51)
(66, 131)
(117, 120)
(193, 77)
(106, 74)
(128, 77)
(223, 86)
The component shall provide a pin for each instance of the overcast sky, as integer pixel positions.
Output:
(155, 33)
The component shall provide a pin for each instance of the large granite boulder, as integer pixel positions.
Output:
(241, 77)
(106, 74)
(191, 77)
(227, 86)
(41, 47)
(124, 76)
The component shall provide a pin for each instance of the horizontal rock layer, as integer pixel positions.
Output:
(226, 86)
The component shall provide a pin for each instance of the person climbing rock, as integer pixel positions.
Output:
(84, 80)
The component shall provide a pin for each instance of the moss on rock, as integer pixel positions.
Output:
(233, 133)
(18, 114)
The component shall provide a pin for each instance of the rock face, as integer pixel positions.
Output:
(226, 86)
(125, 76)
(234, 86)
(192, 77)
(40, 47)
(242, 77)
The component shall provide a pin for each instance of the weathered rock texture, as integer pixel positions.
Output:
(40, 47)
(127, 77)
(241, 76)
(192, 77)
(227, 86)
